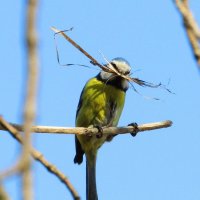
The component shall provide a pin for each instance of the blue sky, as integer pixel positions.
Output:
(162, 164)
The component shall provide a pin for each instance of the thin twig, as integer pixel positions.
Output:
(40, 158)
(191, 27)
(85, 131)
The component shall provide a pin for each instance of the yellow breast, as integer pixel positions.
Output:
(95, 109)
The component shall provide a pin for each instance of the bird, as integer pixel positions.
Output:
(100, 105)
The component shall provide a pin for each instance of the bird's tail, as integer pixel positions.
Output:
(91, 190)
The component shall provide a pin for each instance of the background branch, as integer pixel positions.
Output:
(11, 171)
(3, 194)
(39, 157)
(191, 27)
(30, 103)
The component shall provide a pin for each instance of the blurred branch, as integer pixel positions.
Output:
(39, 157)
(3, 194)
(89, 131)
(30, 102)
(191, 27)
(11, 171)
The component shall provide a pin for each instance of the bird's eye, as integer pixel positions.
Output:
(127, 72)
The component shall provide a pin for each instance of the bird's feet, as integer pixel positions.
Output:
(99, 134)
(135, 129)
(100, 131)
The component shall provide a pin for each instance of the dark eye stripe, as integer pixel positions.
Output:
(114, 65)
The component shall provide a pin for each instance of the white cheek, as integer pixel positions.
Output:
(106, 75)
(125, 84)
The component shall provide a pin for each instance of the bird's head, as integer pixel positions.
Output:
(121, 66)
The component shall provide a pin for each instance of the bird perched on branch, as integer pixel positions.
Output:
(101, 104)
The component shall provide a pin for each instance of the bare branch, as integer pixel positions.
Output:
(15, 128)
(40, 158)
(188, 16)
(86, 131)
(191, 27)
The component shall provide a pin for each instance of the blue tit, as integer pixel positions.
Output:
(101, 104)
